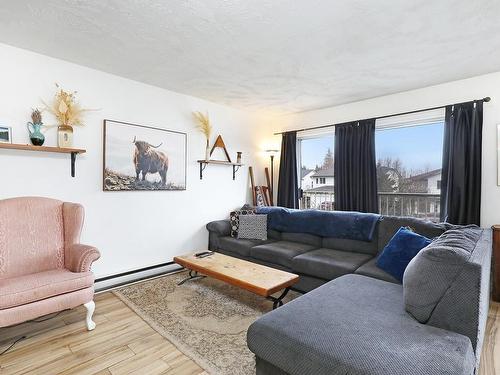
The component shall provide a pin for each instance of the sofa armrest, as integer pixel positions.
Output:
(220, 227)
(81, 257)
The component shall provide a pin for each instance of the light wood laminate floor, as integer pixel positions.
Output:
(124, 344)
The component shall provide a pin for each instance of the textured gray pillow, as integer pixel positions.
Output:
(435, 268)
(253, 227)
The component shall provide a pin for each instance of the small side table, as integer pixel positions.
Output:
(496, 263)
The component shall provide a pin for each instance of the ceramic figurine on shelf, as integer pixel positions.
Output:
(35, 128)
(238, 157)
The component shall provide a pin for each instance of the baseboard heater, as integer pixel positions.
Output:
(133, 276)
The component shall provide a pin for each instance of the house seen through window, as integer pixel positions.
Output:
(316, 172)
(409, 159)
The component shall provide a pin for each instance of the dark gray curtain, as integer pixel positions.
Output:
(461, 175)
(288, 182)
(355, 167)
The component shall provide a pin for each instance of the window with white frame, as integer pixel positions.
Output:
(409, 153)
(409, 156)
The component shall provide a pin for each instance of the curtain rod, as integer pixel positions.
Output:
(486, 100)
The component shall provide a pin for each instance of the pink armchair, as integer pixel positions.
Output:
(43, 267)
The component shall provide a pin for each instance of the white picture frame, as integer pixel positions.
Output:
(5, 134)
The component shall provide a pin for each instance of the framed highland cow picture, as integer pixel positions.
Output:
(138, 157)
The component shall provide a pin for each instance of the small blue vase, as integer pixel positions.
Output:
(36, 136)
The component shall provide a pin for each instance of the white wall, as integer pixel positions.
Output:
(131, 229)
(453, 92)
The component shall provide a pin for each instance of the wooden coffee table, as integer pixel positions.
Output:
(255, 278)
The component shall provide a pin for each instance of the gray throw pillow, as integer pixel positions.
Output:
(434, 269)
(253, 227)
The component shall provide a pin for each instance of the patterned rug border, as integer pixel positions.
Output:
(177, 343)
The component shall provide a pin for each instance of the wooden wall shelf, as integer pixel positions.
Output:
(60, 150)
(204, 163)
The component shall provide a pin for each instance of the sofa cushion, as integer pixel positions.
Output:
(352, 245)
(280, 252)
(273, 234)
(433, 271)
(328, 263)
(356, 325)
(308, 239)
(402, 248)
(239, 246)
(30, 288)
(370, 269)
(389, 225)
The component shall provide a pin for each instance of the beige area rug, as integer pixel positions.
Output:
(206, 319)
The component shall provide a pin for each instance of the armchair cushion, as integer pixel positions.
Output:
(21, 290)
(81, 257)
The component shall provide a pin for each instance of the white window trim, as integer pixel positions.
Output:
(392, 122)
(411, 120)
(316, 133)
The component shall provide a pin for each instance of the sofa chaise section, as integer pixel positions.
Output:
(355, 325)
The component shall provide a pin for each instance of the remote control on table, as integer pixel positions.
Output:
(203, 254)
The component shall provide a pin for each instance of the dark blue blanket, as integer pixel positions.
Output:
(338, 224)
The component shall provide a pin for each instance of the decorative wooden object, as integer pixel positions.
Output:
(204, 163)
(219, 143)
(252, 181)
(269, 187)
(262, 196)
(261, 280)
(59, 150)
(496, 263)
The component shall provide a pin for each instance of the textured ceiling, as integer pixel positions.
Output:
(271, 55)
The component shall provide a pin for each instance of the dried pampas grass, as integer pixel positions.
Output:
(65, 108)
(204, 125)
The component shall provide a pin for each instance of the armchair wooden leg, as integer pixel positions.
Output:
(90, 306)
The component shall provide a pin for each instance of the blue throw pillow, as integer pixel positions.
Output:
(400, 250)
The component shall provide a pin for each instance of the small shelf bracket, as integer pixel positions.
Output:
(73, 160)
(235, 169)
(202, 168)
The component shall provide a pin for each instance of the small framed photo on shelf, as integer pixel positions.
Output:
(5, 134)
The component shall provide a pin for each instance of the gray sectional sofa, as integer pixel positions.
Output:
(316, 259)
(357, 319)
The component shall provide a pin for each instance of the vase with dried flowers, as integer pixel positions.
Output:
(68, 113)
(35, 128)
(205, 128)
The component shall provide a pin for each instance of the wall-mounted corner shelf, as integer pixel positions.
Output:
(204, 163)
(60, 150)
